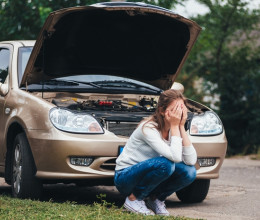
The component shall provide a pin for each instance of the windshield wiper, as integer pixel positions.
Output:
(56, 82)
(85, 83)
(123, 83)
(67, 83)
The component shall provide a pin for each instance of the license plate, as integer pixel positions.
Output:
(120, 149)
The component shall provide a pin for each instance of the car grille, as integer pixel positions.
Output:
(122, 128)
(109, 164)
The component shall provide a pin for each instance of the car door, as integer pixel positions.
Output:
(5, 58)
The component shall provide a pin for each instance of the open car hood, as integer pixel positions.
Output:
(134, 40)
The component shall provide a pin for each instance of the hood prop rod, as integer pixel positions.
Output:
(45, 36)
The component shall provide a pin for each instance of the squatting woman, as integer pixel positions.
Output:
(158, 159)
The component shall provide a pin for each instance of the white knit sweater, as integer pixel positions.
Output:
(146, 142)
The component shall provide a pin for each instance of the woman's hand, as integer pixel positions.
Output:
(184, 115)
(173, 114)
(185, 139)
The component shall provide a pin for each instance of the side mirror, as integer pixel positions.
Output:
(3, 89)
(178, 86)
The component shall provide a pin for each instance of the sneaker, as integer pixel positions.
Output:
(158, 207)
(137, 207)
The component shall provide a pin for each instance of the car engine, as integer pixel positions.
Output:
(120, 115)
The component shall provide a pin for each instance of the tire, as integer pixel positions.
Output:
(24, 183)
(195, 192)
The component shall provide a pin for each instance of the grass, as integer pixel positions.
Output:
(11, 208)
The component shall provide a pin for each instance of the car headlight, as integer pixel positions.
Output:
(74, 122)
(206, 124)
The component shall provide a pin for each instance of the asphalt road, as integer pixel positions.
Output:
(235, 195)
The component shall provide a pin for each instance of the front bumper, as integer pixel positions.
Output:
(210, 147)
(52, 152)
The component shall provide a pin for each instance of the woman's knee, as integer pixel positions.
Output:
(121, 185)
(165, 166)
(190, 172)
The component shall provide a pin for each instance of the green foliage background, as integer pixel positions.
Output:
(225, 61)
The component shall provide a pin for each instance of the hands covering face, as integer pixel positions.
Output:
(176, 113)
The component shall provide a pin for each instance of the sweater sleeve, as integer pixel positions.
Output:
(189, 155)
(153, 138)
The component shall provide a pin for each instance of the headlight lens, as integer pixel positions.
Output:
(74, 122)
(206, 124)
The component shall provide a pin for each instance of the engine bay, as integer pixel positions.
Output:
(116, 115)
(119, 114)
(143, 105)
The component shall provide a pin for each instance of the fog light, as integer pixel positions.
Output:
(81, 161)
(206, 162)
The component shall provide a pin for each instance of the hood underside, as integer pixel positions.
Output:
(145, 43)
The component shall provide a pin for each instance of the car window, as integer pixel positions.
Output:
(4, 63)
(23, 57)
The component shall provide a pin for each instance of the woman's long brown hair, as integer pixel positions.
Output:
(165, 99)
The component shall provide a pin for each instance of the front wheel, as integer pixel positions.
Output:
(24, 183)
(195, 192)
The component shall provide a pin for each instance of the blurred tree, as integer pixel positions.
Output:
(227, 57)
(19, 19)
(23, 19)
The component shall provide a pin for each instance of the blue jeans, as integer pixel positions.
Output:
(157, 177)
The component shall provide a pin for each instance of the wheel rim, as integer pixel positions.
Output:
(17, 169)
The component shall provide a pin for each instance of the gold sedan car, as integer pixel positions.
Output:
(70, 100)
